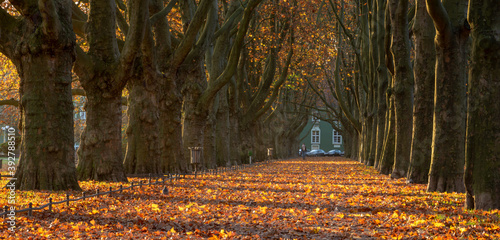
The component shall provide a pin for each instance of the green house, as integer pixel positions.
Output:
(321, 135)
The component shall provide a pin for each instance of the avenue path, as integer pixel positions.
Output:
(319, 198)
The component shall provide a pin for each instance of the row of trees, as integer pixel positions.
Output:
(405, 100)
(219, 75)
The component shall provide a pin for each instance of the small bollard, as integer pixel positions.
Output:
(110, 190)
(67, 199)
(121, 189)
(149, 178)
(30, 210)
(97, 192)
(50, 204)
(83, 196)
(5, 210)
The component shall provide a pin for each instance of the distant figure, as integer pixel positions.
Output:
(304, 151)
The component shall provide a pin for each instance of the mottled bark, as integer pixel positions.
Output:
(483, 126)
(100, 154)
(403, 87)
(448, 139)
(43, 54)
(193, 119)
(143, 152)
(223, 137)
(103, 72)
(423, 30)
(172, 157)
(209, 142)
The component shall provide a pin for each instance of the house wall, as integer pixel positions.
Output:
(326, 137)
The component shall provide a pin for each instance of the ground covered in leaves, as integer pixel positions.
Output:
(319, 198)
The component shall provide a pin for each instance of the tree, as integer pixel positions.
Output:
(386, 160)
(382, 81)
(403, 86)
(103, 72)
(423, 30)
(40, 43)
(483, 128)
(448, 140)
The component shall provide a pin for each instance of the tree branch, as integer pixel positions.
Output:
(276, 90)
(190, 36)
(122, 22)
(9, 102)
(230, 69)
(230, 22)
(8, 35)
(138, 15)
(164, 12)
(439, 15)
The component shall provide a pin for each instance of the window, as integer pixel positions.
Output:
(337, 138)
(315, 136)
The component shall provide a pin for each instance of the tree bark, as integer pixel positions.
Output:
(172, 157)
(387, 153)
(143, 152)
(387, 157)
(103, 73)
(223, 136)
(448, 139)
(483, 128)
(43, 56)
(403, 87)
(382, 81)
(423, 30)
(100, 154)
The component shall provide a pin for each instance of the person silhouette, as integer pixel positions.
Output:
(304, 149)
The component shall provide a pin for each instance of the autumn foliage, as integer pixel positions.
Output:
(320, 198)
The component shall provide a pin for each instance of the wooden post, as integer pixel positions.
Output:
(50, 204)
(30, 210)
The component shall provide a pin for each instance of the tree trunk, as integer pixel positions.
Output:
(387, 157)
(223, 135)
(47, 153)
(403, 87)
(448, 139)
(483, 128)
(193, 118)
(103, 72)
(424, 32)
(143, 153)
(172, 157)
(209, 144)
(382, 81)
(100, 154)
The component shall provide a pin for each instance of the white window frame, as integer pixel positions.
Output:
(337, 134)
(313, 136)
